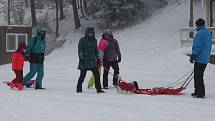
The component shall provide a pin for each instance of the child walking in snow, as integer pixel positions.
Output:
(17, 66)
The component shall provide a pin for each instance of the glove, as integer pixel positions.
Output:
(192, 58)
(100, 55)
(119, 60)
(99, 63)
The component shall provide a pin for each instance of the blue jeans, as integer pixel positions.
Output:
(35, 68)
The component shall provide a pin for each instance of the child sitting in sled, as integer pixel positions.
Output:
(128, 86)
(18, 59)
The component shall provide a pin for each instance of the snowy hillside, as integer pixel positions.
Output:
(151, 55)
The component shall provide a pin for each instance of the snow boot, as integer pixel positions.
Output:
(100, 91)
(38, 87)
(194, 95)
(105, 88)
(41, 88)
(19, 86)
(12, 85)
(198, 96)
(78, 91)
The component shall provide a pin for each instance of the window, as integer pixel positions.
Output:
(13, 40)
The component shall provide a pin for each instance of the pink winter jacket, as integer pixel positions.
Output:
(101, 48)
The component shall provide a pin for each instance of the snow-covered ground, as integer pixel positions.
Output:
(151, 55)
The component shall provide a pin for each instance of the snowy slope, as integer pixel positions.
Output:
(151, 55)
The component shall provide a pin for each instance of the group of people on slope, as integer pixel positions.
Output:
(92, 57)
(106, 54)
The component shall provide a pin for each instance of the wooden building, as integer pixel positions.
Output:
(10, 37)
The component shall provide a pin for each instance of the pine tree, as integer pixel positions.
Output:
(33, 13)
(8, 11)
(61, 9)
(76, 16)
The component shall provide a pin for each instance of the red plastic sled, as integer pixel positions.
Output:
(159, 91)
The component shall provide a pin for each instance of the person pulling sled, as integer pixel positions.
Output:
(200, 56)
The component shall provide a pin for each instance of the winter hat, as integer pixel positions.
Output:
(40, 29)
(107, 32)
(200, 22)
(22, 45)
(89, 30)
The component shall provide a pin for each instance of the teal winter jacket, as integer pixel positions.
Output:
(36, 44)
(87, 51)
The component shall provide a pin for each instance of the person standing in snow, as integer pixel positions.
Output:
(201, 51)
(112, 56)
(88, 59)
(101, 48)
(35, 54)
(18, 59)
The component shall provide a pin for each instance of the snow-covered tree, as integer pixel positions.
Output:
(18, 11)
(120, 13)
(115, 13)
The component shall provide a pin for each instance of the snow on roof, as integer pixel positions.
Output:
(16, 25)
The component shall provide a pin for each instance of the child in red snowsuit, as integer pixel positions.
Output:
(128, 86)
(18, 59)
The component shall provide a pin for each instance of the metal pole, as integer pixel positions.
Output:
(211, 13)
(202, 12)
(191, 18)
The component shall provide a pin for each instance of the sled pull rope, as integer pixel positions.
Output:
(178, 81)
(187, 82)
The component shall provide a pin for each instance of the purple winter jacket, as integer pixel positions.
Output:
(112, 52)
